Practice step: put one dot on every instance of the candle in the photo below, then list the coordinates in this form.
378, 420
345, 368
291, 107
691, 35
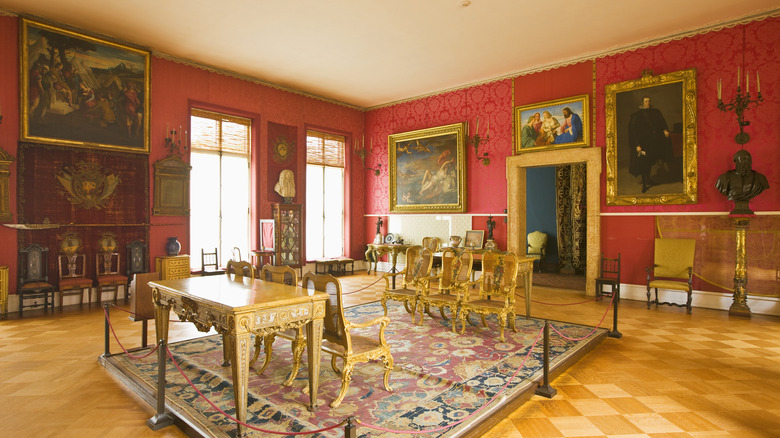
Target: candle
747, 82
719, 89
477, 127
737, 77
758, 83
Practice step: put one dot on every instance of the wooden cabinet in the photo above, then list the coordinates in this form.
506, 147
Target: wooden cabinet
3, 292
287, 235
172, 267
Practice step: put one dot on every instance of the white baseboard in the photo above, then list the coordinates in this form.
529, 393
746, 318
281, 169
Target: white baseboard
707, 300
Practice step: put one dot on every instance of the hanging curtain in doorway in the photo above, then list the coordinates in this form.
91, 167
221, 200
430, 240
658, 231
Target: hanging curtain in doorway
571, 217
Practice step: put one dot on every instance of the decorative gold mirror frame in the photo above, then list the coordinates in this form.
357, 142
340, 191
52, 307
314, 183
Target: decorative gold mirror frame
171, 187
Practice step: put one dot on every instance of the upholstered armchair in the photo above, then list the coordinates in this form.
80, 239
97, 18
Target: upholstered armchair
672, 269
446, 289
537, 247
496, 291
414, 277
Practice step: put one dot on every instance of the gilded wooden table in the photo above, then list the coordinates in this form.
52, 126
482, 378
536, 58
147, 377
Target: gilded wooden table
376, 250
237, 310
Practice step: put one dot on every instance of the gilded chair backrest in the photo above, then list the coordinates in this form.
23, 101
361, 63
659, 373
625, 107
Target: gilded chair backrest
279, 274
236, 254
499, 274
455, 267
418, 264
238, 270
107, 263
335, 320
673, 257
34, 264
432, 243
537, 243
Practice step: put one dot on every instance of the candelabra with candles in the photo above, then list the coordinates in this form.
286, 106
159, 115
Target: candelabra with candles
741, 102
477, 140
360, 151
174, 144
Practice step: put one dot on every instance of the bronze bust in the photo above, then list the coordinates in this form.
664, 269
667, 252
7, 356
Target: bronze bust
742, 183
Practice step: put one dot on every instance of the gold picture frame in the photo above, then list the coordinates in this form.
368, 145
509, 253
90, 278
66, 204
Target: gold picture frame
660, 168
555, 124
171, 187
428, 170
82, 91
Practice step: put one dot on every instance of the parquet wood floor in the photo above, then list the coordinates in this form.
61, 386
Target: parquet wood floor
670, 375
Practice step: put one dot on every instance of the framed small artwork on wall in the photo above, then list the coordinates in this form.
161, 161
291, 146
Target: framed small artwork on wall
561, 123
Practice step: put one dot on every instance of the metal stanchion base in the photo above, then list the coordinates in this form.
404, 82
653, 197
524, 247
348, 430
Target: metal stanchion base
159, 421
546, 391
615, 334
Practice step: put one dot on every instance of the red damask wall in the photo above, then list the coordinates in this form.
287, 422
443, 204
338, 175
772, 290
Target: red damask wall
715, 55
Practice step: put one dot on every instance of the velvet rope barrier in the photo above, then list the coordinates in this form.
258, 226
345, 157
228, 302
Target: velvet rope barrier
362, 288
108, 320
611, 302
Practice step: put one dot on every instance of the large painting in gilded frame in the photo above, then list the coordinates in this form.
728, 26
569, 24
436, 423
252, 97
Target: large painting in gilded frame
428, 170
652, 140
561, 123
81, 91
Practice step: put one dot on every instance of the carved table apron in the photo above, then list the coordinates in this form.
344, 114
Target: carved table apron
237, 310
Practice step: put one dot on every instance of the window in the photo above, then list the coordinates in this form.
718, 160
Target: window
324, 195
219, 184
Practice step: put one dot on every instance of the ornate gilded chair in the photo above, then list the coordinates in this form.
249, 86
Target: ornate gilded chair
34, 277
432, 243
238, 270
496, 291
72, 269
284, 275
446, 289
415, 277
537, 247
672, 269
340, 339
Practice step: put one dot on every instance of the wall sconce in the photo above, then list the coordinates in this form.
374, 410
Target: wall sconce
476, 140
361, 152
741, 102
174, 144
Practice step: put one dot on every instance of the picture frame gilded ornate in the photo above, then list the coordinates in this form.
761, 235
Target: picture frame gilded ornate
555, 124
651, 140
428, 170
82, 91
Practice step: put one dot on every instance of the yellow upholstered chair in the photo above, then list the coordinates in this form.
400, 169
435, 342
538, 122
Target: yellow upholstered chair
537, 247
415, 277
446, 289
284, 275
340, 338
672, 269
496, 291
238, 270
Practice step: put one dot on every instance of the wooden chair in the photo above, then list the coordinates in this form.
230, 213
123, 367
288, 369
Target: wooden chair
340, 339
284, 275
672, 262
239, 270
107, 276
496, 291
236, 254
537, 247
137, 261
609, 275
210, 263
451, 284
73, 279
432, 243
33, 280
415, 277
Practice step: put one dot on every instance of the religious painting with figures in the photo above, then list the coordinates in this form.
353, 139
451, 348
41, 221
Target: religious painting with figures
428, 170
651, 140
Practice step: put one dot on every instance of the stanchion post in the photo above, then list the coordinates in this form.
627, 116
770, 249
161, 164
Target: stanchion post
546, 390
350, 430
161, 418
615, 303
107, 330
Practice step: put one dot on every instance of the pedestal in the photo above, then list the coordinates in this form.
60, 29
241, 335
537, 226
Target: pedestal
739, 307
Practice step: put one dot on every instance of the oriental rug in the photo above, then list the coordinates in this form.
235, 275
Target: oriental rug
439, 378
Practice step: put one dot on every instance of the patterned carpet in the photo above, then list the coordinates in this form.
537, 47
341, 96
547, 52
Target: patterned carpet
439, 378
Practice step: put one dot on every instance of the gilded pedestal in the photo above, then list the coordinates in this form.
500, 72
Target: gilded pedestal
739, 307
